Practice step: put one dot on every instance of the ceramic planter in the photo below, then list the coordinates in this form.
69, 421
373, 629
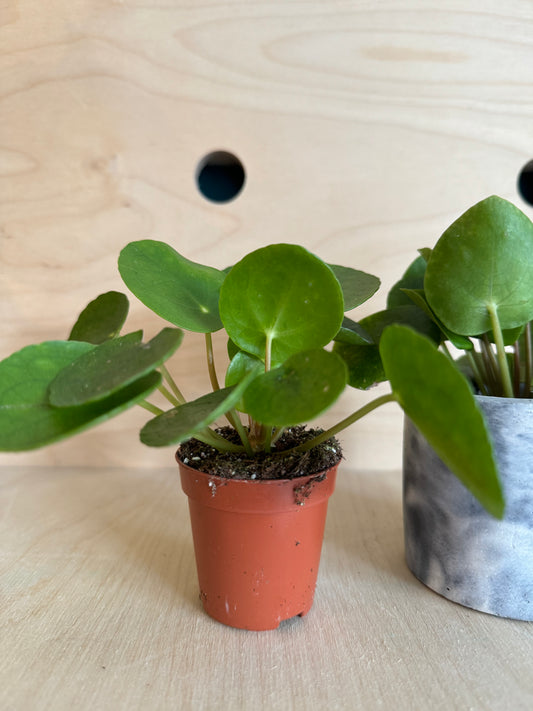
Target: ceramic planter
257, 544
452, 545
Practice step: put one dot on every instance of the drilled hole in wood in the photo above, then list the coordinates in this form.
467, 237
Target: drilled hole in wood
220, 176
525, 182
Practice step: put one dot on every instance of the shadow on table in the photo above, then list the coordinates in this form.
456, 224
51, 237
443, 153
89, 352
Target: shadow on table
365, 524
141, 519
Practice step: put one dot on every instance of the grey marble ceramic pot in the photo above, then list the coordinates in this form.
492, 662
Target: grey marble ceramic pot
452, 545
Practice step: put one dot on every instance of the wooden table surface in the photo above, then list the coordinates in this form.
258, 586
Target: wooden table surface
100, 610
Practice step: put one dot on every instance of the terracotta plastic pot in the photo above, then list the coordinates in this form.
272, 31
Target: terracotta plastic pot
452, 544
257, 544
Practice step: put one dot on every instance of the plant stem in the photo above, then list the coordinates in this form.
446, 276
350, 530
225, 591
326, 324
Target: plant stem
237, 424
151, 408
490, 365
172, 384
478, 377
211, 362
276, 435
446, 350
169, 396
357, 415
268, 352
500, 351
213, 439
516, 369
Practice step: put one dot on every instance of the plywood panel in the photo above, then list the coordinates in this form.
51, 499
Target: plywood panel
364, 129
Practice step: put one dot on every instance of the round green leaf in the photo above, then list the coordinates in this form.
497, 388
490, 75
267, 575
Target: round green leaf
364, 364
28, 421
302, 388
180, 291
439, 400
353, 333
413, 278
365, 368
110, 367
483, 261
418, 297
101, 319
239, 368
282, 296
181, 423
357, 287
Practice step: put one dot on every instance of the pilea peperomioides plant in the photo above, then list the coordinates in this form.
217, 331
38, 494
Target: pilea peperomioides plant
279, 309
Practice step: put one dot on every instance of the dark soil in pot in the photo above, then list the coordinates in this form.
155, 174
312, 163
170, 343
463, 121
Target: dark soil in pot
273, 465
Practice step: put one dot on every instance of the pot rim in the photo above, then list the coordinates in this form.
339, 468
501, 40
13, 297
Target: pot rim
239, 480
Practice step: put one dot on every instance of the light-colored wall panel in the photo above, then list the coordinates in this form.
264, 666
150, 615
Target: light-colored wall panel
364, 128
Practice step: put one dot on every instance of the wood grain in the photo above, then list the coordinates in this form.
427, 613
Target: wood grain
100, 610
364, 130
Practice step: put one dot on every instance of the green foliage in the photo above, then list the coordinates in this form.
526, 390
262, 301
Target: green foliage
29, 421
102, 319
483, 263
280, 300
281, 309
111, 366
306, 385
180, 291
439, 400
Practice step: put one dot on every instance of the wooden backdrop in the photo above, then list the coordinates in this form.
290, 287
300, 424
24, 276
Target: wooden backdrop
364, 127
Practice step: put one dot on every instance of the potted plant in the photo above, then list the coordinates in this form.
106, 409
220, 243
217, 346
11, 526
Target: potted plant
477, 286
258, 487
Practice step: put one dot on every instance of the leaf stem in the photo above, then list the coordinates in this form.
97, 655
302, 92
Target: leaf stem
500, 351
491, 366
169, 396
268, 352
211, 362
357, 415
210, 437
472, 357
151, 408
516, 369
172, 384
237, 424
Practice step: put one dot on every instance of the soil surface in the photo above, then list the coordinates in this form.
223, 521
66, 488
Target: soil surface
262, 465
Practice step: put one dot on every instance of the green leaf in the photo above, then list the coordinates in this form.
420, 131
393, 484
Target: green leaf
413, 278
439, 400
425, 253
302, 388
364, 362
186, 421
357, 287
365, 368
239, 368
418, 297
180, 291
483, 261
283, 296
28, 421
101, 319
111, 366
353, 333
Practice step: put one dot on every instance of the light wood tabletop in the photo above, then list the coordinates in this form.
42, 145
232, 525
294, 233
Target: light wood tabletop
100, 610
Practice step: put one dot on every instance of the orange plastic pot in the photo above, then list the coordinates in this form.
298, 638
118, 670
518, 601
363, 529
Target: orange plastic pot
257, 544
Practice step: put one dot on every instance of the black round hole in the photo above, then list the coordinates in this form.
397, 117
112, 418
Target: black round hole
220, 176
525, 182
